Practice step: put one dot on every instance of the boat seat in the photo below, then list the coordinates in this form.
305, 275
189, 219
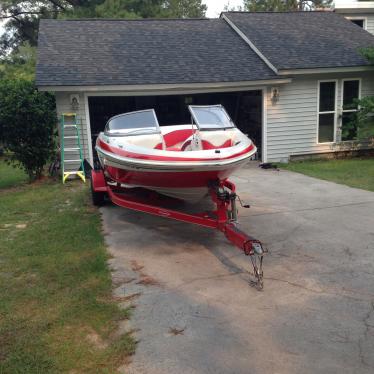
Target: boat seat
148, 141
216, 139
207, 145
159, 146
175, 139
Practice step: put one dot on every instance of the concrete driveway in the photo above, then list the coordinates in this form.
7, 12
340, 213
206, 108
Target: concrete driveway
195, 311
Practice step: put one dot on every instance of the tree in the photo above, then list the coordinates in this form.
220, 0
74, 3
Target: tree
362, 122
151, 9
20, 64
232, 8
23, 16
285, 5
27, 125
184, 9
129, 9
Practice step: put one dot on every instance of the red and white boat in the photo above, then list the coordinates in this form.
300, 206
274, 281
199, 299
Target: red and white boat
179, 161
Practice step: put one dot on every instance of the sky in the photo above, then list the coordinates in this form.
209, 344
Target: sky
215, 7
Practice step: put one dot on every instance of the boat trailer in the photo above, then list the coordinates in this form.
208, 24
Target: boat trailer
224, 218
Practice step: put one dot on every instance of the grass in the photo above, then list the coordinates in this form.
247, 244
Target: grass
57, 313
355, 172
10, 176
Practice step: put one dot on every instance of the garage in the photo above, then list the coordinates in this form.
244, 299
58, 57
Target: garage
160, 65
244, 107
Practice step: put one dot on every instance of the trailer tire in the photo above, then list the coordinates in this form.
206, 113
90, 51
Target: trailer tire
98, 198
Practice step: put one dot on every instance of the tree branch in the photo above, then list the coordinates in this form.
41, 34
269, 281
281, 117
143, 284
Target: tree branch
14, 15
57, 4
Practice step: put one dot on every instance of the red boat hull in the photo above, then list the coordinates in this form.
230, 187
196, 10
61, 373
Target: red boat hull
182, 179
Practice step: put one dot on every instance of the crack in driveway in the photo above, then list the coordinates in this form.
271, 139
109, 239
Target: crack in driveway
365, 336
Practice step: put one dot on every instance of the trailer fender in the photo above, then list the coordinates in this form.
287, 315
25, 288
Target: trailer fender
98, 181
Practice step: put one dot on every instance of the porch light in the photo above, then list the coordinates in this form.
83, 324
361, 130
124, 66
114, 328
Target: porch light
274, 94
74, 102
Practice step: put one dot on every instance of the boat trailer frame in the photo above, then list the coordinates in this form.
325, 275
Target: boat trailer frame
224, 218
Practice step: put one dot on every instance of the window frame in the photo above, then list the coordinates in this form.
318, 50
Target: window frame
327, 112
342, 103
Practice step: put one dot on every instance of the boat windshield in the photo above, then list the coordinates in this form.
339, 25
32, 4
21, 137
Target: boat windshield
133, 123
211, 117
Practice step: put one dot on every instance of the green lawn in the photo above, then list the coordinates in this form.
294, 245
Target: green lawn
10, 176
353, 172
57, 313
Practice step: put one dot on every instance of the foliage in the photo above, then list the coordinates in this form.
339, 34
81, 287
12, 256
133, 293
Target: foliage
368, 53
23, 15
23, 18
57, 314
285, 5
183, 9
150, 9
363, 120
232, 8
27, 125
20, 64
129, 8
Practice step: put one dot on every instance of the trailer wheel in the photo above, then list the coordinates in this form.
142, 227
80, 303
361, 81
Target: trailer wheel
98, 198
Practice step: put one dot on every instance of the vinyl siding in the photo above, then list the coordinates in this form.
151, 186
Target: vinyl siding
370, 23
292, 121
63, 106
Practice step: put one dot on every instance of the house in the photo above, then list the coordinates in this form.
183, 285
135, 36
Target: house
283, 77
359, 12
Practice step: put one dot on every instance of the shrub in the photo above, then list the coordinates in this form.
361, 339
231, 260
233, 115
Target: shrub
365, 118
27, 125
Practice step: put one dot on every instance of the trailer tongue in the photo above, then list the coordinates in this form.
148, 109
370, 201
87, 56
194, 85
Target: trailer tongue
224, 218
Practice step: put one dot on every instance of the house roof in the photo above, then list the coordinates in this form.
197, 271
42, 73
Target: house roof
304, 40
238, 47
134, 52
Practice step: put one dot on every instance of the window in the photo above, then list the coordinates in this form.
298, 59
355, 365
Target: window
351, 92
133, 123
211, 117
358, 22
326, 112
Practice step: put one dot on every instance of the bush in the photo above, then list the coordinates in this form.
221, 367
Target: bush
365, 118
27, 125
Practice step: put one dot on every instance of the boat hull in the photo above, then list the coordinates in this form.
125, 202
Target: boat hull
183, 184
184, 178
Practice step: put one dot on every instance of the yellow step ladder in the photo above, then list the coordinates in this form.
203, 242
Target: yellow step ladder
71, 154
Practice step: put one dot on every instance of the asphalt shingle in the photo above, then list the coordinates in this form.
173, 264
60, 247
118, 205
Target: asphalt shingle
132, 52
304, 40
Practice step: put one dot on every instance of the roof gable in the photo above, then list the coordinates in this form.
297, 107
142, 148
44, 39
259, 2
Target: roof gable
304, 40
131, 52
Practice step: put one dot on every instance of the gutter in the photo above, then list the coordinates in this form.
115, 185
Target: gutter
163, 88
347, 69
